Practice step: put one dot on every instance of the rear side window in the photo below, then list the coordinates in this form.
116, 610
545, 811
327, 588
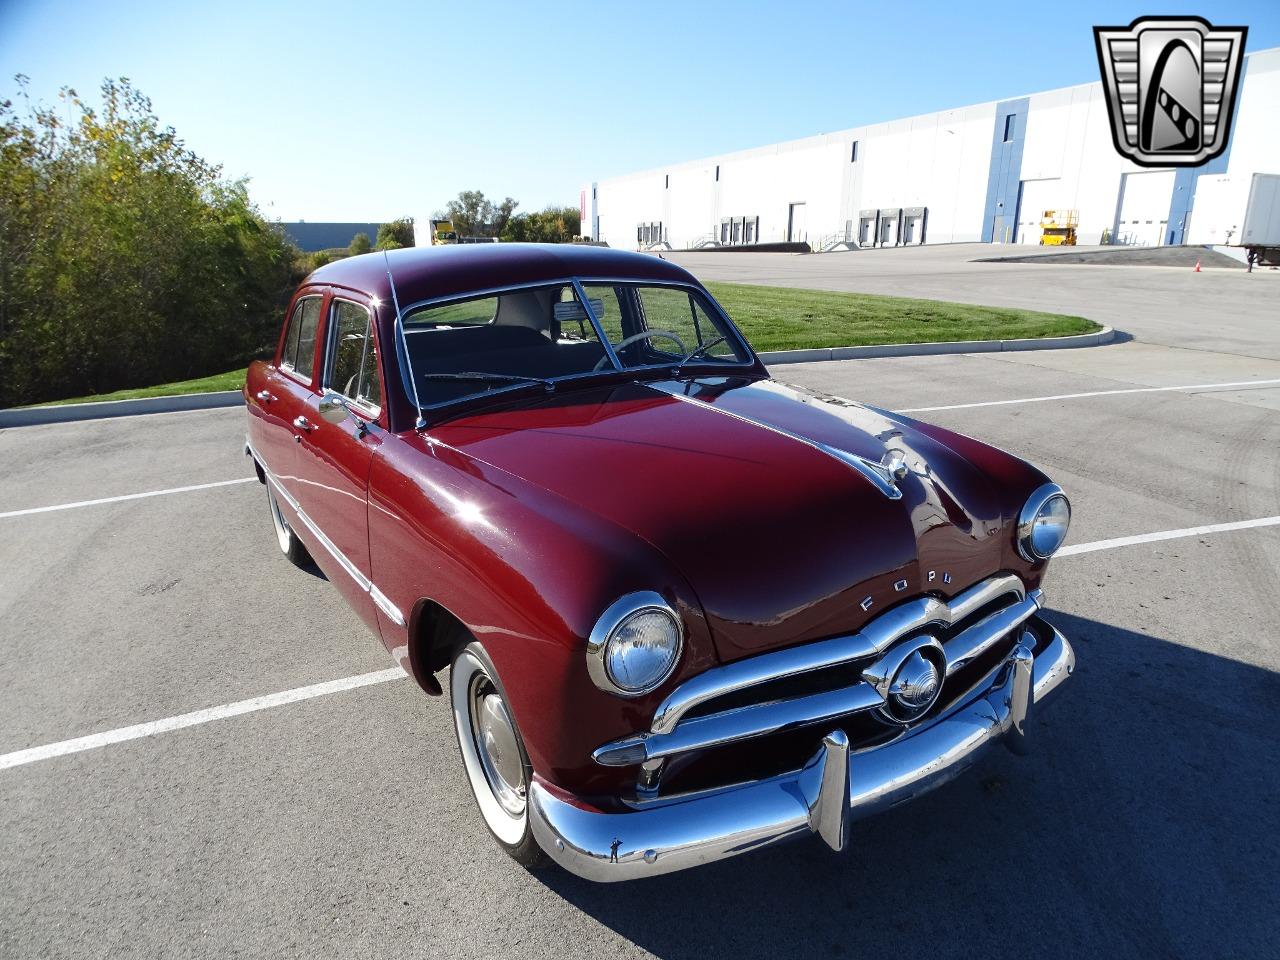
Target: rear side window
300, 342
354, 368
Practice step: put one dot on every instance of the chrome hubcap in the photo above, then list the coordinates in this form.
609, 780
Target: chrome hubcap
496, 746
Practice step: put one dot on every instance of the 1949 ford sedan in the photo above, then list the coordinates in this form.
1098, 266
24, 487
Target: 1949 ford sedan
686, 611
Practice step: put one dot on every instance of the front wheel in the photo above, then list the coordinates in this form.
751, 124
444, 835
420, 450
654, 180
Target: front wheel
493, 754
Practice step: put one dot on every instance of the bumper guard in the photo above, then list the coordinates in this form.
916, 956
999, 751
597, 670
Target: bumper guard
836, 786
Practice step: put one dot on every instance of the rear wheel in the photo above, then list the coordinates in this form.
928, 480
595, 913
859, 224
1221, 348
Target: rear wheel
493, 753
290, 545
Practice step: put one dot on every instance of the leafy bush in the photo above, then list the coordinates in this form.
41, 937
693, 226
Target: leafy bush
394, 235
552, 225
360, 243
125, 259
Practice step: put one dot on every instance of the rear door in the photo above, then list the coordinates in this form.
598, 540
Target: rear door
282, 398
334, 459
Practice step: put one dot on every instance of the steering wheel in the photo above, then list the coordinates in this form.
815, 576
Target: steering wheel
643, 335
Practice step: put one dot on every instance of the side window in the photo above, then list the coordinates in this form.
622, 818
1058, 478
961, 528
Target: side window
300, 342
353, 371
291, 337
305, 360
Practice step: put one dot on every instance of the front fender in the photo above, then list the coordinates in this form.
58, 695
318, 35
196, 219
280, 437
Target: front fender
528, 574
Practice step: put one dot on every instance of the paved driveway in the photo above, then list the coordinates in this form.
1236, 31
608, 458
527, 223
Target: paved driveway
1222, 310
1145, 824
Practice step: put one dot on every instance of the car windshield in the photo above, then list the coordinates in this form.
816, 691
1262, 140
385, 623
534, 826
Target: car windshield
542, 335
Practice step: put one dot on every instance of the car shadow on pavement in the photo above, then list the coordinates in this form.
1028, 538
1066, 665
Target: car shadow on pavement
1143, 824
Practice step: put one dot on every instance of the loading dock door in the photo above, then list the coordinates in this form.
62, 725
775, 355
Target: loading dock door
1144, 211
796, 230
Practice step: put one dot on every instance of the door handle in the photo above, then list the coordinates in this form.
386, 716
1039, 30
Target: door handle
302, 423
264, 396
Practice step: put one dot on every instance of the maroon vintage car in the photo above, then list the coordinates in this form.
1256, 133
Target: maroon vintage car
688, 611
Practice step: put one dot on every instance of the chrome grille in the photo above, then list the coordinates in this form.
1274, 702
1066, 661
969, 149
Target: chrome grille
793, 688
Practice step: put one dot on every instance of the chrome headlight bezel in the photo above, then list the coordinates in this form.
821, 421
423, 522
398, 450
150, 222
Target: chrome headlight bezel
1032, 512
605, 630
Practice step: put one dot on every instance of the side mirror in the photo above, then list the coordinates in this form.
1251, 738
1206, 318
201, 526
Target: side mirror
333, 407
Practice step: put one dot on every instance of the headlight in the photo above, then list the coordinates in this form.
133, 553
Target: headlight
1042, 525
634, 645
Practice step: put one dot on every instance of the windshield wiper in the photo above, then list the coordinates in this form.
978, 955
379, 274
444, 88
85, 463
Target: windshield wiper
699, 350
550, 385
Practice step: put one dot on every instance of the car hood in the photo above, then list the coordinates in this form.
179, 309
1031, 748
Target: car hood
766, 497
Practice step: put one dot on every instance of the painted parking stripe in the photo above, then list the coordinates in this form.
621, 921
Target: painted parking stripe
1096, 545
953, 406
127, 496
197, 717
1093, 393
95, 740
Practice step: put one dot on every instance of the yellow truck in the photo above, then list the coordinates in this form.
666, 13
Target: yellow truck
442, 232
1058, 228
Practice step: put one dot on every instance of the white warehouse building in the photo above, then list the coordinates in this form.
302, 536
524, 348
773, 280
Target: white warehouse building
982, 173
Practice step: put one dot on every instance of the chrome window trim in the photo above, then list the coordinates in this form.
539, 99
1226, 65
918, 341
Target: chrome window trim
364, 583
612, 618
367, 410
694, 289
410, 387
287, 368
1026, 519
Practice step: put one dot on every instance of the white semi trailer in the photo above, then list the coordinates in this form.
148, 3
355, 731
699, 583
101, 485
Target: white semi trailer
1239, 212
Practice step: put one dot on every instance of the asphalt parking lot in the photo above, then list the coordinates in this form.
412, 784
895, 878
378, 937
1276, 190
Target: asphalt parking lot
1144, 824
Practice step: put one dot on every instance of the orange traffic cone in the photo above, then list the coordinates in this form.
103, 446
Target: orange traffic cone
1197, 266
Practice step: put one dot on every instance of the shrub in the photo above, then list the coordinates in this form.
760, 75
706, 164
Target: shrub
125, 259
396, 234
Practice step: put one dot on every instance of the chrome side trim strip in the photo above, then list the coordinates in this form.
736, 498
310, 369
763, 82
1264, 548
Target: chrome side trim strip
873, 638
363, 582
386, 606
876, 473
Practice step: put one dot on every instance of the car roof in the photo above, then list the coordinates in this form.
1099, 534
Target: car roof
426, 273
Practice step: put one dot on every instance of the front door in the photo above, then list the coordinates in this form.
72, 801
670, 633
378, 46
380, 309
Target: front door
334, 459
796, 229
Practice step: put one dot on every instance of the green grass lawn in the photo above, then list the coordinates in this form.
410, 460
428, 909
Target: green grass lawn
232, 380
781, 318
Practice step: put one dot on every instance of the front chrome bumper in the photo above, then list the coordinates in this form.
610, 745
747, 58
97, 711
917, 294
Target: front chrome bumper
836, 786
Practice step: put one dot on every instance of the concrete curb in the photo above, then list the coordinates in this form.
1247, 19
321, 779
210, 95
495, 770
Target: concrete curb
71, 412
1105, 335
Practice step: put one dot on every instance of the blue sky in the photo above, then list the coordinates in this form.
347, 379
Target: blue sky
349, 111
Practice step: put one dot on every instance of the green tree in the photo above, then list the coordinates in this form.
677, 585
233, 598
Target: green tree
473, 215
360, 243
396, 234
552, 225
125, 258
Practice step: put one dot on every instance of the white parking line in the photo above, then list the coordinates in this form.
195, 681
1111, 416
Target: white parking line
1092, 393
1080, 548
95, 740
197, 717
127, 496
